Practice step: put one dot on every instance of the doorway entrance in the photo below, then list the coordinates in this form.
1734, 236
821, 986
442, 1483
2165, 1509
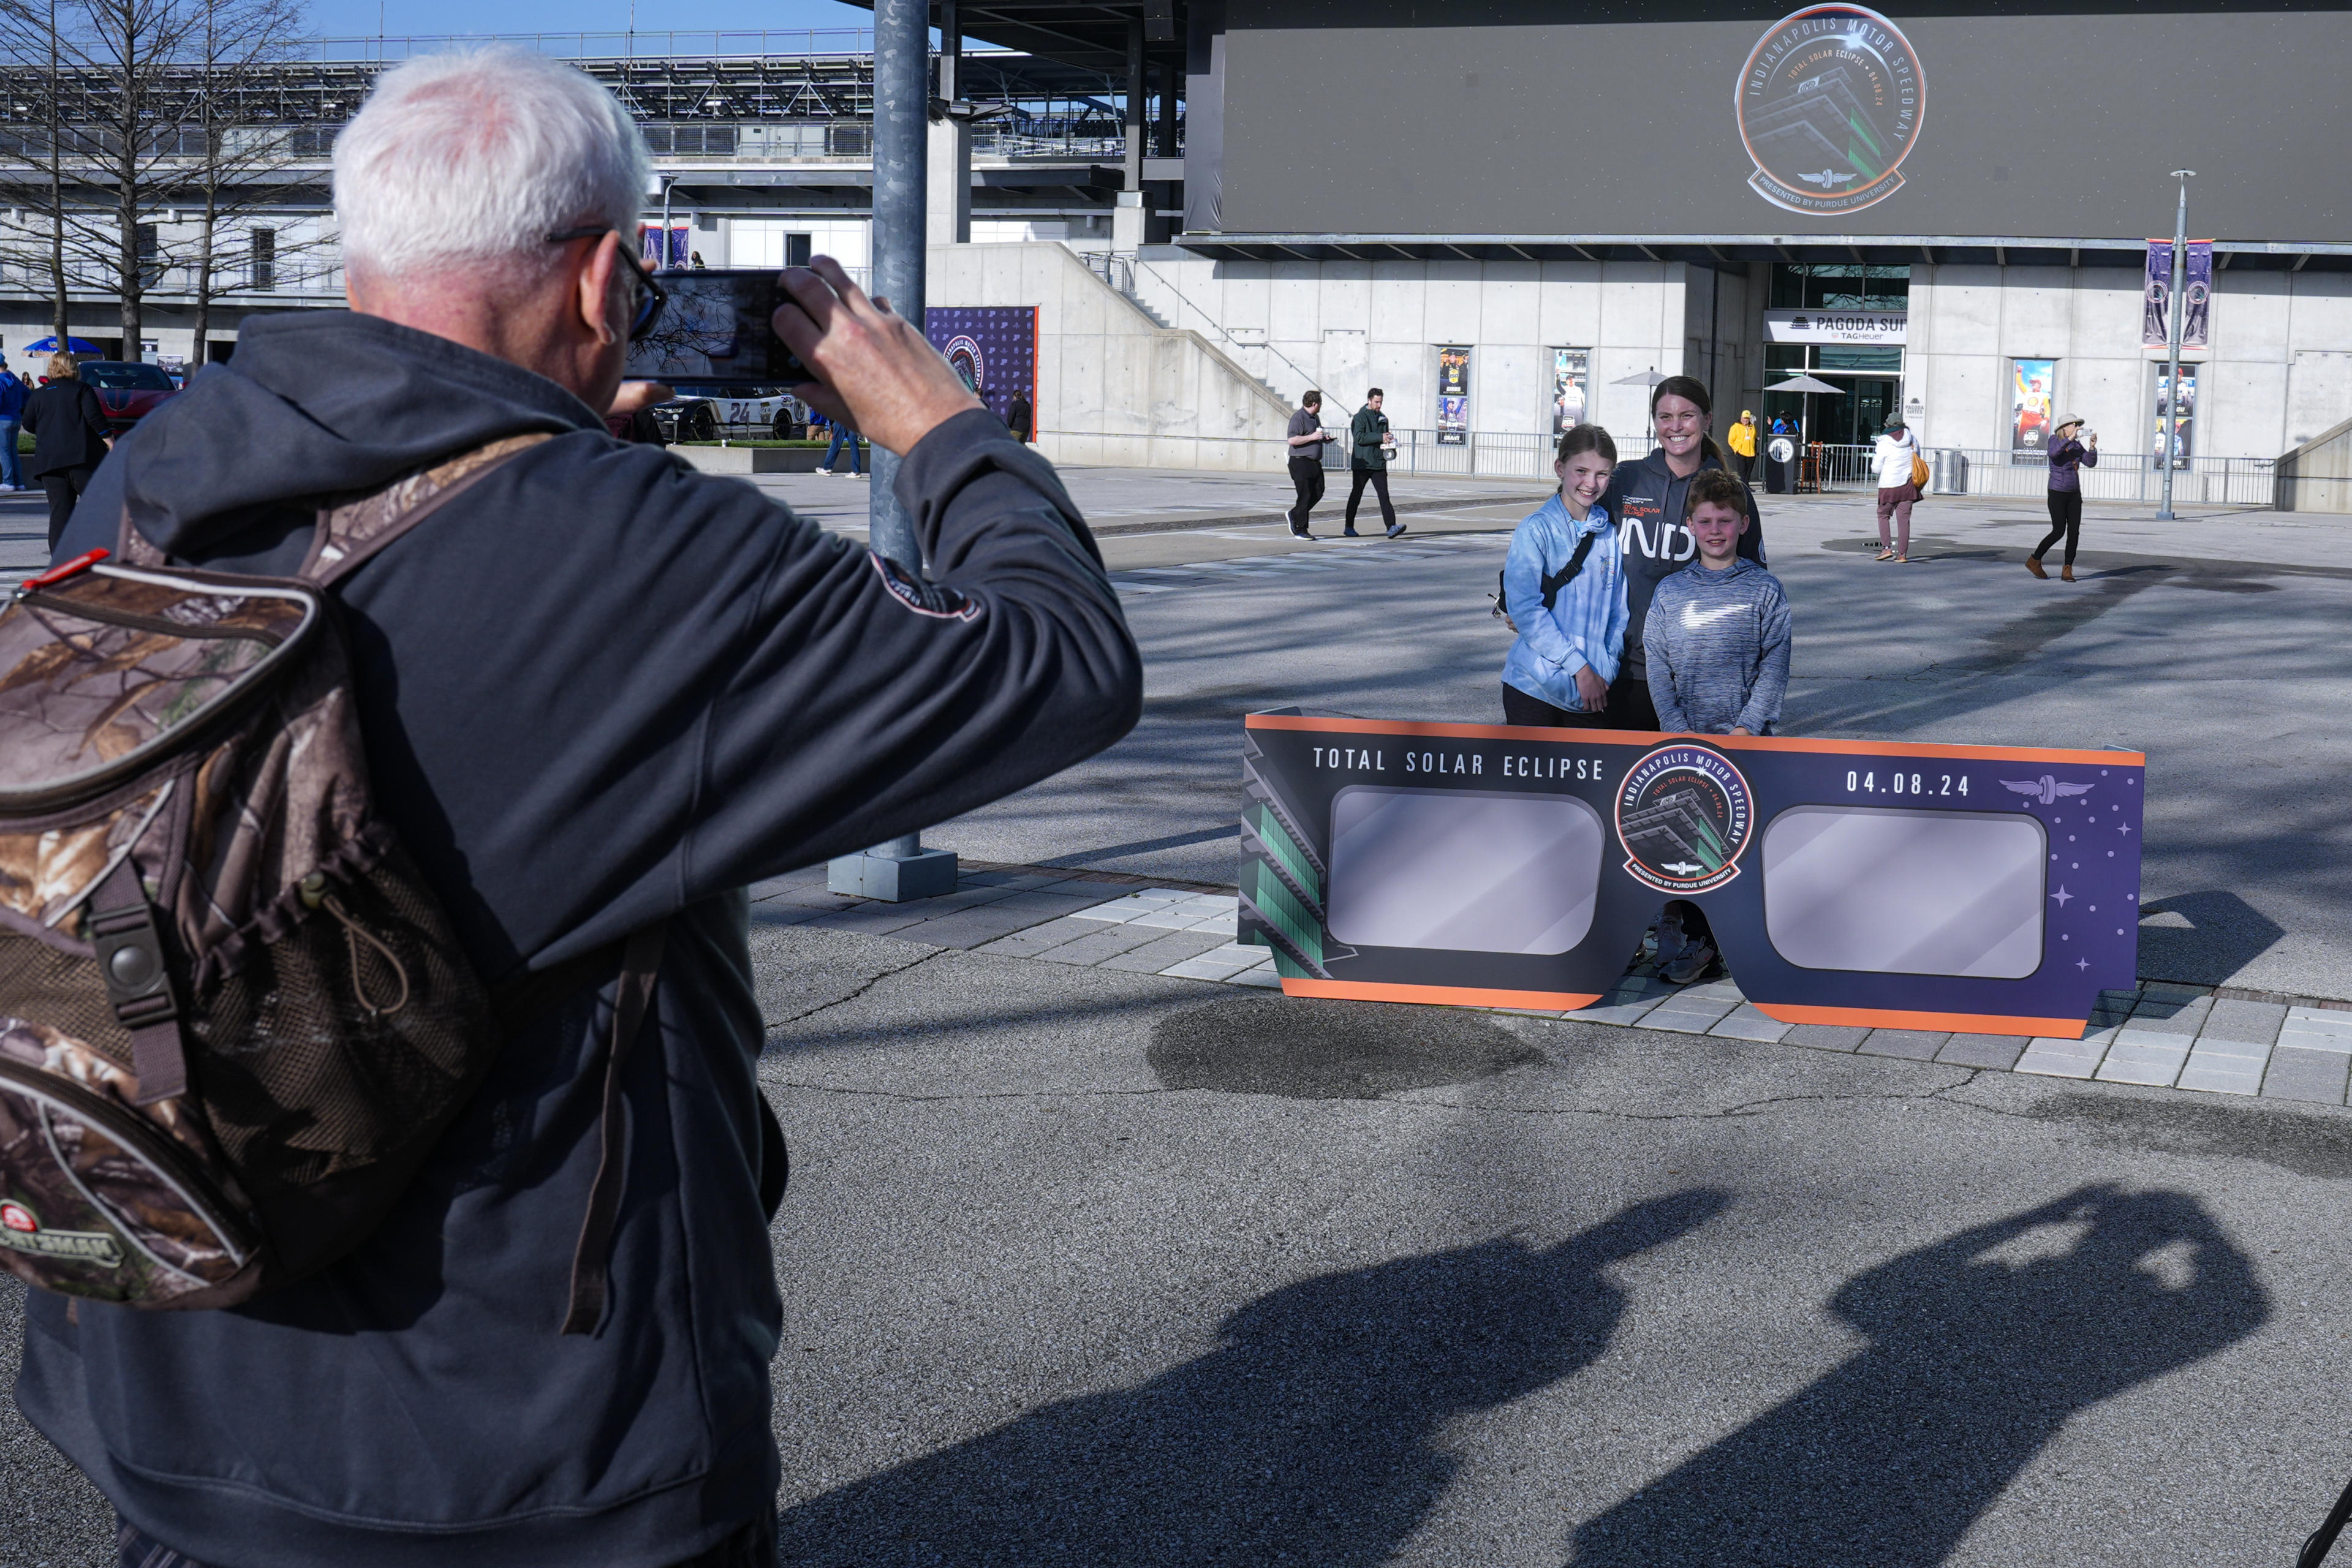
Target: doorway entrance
1855, 419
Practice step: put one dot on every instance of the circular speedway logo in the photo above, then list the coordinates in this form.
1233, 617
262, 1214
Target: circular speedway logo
969, 363
1829, 105
1684, 815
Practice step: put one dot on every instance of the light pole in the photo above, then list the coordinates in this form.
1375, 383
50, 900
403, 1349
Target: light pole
901, 869
2176, 299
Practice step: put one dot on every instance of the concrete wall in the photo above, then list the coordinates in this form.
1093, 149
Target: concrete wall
2316, 477
1347, 325
1114, 386
2277, 371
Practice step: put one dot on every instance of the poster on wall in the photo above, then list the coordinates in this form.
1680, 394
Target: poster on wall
1453, 395
650, 249
994, 347
2175, 421
2155, 312
2196, 294
2033, 383
1984, 889
1571, 371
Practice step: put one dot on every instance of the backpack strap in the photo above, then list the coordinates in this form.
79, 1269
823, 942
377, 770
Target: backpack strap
591, 1258
351, 532
1552, 585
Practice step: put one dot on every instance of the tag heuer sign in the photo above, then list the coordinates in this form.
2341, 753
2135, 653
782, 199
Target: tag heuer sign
1881, 326
1829, 105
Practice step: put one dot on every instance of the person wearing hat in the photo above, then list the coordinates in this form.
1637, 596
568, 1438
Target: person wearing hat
2072, 449
1741, 439
1893, 457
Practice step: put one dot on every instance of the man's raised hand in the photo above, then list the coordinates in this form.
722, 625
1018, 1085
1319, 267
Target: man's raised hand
876, 373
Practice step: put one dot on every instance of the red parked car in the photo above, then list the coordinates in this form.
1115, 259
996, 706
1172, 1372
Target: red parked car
129, 392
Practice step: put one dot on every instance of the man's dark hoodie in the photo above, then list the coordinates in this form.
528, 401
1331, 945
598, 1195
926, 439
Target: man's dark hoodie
1647, 502
599, 690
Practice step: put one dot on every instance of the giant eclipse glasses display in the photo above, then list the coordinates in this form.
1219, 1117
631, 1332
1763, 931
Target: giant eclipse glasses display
1967, 888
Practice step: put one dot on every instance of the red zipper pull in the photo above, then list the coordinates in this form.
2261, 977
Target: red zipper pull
64, 570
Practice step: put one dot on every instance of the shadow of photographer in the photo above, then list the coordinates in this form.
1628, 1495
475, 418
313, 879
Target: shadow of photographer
1304, 1438
1981, 1347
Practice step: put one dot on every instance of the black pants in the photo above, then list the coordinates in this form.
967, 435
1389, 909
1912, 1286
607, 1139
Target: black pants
1378, 478
1533, 712
1747, 466
1307, 473
1629, 706
753, 1546
2065, 520
65, 486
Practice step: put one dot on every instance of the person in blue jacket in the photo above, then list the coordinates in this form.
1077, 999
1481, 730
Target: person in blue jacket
12, 393
1564, 589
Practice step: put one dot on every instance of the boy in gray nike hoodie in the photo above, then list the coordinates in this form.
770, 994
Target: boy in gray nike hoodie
1717, 639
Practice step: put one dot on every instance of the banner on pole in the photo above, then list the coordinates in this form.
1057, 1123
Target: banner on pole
1453, 395
2033, 385
2155, 315
2198, 300
1989, 890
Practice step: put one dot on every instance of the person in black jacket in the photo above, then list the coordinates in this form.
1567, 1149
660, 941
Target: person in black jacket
1648, 499
70, 438
599, 691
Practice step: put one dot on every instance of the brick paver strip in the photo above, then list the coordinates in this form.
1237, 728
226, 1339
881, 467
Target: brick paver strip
1911, 1044
2148, 1058
2297, 1073
1168, 948
1685, 1014
2256, 1023
1039, 939
2225, 1067
1997, 1052
2066, 1058
1744, 1022
972, 927
1105, 942
1826, 1036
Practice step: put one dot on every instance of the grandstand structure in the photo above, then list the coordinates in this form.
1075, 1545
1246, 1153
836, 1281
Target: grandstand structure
762, 142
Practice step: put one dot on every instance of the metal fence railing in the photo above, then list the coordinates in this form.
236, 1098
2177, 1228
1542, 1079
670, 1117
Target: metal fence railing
2025, 475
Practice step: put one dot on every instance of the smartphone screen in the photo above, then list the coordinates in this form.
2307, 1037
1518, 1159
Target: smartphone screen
716, 328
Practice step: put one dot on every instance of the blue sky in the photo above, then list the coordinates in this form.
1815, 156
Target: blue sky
410, 18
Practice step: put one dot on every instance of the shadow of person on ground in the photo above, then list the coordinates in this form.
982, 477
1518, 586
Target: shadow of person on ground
1981, 1346
1305, 1439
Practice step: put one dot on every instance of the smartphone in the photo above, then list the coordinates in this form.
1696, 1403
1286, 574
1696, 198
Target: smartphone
716, 330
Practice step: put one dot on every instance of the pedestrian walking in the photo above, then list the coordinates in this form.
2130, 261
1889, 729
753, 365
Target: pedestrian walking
12, 396
1648, 500
1306, 440
1564, 589
1742, 442
70, 438
2071, 451
1895, 456
1716, 646
1021, 419
842, 436
1371, 445
602, 694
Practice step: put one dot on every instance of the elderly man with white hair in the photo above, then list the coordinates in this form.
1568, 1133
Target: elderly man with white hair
600, 692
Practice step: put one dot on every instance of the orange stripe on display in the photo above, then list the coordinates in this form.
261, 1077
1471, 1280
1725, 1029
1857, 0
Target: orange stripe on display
1449, 996
1949, 1023
1646, 739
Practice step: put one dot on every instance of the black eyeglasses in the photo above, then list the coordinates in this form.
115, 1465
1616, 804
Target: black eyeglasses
651, 296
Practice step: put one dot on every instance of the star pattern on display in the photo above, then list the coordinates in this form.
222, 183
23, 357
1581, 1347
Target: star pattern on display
2062, 895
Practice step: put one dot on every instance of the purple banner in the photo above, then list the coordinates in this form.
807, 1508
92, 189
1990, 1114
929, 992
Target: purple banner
2155, 315
994, 349
2199, 299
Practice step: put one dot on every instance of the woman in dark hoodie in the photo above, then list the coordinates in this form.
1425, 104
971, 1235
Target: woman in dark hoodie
1648, 500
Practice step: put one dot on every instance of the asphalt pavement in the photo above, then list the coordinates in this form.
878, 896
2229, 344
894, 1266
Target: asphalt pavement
1085, 1265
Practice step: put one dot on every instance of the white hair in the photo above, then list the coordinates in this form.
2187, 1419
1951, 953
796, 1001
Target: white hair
468, 162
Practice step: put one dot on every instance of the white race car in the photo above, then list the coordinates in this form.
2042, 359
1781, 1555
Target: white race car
707, 412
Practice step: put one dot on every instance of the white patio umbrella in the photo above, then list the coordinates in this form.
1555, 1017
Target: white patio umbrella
1648, 378
1809, 385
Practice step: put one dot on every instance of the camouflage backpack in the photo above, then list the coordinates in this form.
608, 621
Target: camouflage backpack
234, 1018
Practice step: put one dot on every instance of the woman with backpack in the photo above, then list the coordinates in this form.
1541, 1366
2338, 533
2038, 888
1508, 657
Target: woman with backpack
1563, 590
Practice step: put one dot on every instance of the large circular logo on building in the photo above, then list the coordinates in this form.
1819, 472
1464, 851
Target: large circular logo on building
1684, 815
1829, 106
963, 353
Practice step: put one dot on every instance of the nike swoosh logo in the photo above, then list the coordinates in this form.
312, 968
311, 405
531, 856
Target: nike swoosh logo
1693, 616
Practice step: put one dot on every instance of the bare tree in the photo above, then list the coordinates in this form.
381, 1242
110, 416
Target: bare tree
33, 150
239, 154
140, 49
